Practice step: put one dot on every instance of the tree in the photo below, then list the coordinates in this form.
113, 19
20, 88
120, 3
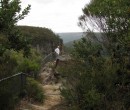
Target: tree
96, 81
112, 18
108, 16
10, 14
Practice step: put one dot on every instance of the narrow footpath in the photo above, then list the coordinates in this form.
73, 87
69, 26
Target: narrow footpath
51, 85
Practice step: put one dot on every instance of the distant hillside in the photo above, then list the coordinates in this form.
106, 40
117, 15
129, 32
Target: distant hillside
44, 39
71, 36
69, 44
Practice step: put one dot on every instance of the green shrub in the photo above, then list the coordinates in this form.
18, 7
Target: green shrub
95, 81
8, 65
13, 62
34, 90
79, 91
30, 65
90, 88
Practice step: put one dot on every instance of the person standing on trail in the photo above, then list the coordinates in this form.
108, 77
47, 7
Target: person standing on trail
57, 53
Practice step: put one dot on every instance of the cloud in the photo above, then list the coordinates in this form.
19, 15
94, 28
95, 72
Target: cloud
58, 15
44, 1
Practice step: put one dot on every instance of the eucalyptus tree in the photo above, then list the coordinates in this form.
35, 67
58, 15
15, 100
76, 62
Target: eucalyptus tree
10, 38
10, 13
104, 82
111, 17
97, 81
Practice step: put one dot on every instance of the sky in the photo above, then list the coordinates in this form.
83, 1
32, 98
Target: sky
57, 15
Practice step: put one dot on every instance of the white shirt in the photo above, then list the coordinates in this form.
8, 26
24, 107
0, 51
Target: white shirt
57, 50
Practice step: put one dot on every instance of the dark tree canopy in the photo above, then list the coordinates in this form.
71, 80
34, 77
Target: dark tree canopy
108, 16
10, 14
44, 38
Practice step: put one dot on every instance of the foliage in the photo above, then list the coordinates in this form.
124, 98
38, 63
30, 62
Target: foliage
79, 91
10, 14
16, 62
10, 38
97, 81
16, 53
6, 61
34, 90
9, 94
110, 17
93, 81
68, 49
13, 62
84, 48
44, 39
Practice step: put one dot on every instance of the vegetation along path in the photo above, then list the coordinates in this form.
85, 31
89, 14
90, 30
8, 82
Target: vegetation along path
51, 84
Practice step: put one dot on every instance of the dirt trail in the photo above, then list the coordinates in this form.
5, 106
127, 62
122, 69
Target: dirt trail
51, 86
53, 98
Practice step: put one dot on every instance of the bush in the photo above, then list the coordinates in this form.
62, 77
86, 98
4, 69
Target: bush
78, 91
8, 65
90, 88
95, 81
34, 90
30, 65
13, 62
